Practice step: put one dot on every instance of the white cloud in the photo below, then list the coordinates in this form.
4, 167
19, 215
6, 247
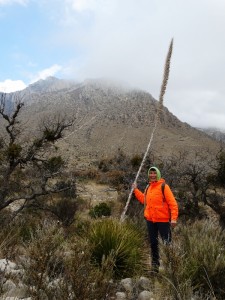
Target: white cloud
128, 40
9, 86
9, 2
83, 5
43, 74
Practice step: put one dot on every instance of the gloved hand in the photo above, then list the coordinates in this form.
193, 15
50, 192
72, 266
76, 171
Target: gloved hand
173, 223
134, 185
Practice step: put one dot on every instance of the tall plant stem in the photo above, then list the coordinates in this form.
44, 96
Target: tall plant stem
159, 110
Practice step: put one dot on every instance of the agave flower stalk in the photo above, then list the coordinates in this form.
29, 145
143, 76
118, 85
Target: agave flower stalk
159, 109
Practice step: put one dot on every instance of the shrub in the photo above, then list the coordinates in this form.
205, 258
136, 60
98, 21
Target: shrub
197, 260
13, 151
65, 210
100, 210
117, 247
43, 261
136, 160
54, 164
81, 279
221, 168
115, 177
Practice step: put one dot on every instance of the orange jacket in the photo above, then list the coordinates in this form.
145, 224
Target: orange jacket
158, 209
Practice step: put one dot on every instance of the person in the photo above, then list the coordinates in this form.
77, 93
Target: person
160, 212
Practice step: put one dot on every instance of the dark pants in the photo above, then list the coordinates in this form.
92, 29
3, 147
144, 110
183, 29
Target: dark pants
154, 229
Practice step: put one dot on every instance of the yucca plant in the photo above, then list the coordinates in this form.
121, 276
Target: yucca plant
117, 247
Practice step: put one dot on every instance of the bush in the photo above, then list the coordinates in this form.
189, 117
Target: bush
54, 164
13, 151
65, 210
197, 260
116, 246
100, 210
115, 177
136, 160
43, 259
221, 168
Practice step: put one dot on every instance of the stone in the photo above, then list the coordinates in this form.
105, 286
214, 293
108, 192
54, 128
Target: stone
121, 296
144, 283
145, 295
127, 284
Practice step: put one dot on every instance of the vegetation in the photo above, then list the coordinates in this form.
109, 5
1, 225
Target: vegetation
100, 210
117, 247
63, 255
29, 171
195, 262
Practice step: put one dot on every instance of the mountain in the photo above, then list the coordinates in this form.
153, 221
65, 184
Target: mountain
215, 133
108, 117
51, 84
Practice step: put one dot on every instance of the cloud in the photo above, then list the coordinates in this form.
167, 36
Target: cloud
81, 5
128, 40
88, 5
9, 86
43, 74
9, 2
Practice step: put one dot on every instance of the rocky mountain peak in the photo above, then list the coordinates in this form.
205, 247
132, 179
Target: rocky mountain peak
108, 117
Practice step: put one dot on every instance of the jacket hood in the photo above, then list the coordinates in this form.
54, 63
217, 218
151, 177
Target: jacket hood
157, 172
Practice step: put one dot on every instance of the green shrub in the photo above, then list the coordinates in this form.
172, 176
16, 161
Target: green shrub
100, 210
54, 164
221, 168
136, 160
117, 247
13, 151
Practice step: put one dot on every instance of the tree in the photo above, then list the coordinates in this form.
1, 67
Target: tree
220, 168
30, 169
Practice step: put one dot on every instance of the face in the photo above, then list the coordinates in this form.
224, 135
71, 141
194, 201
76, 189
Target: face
152, 176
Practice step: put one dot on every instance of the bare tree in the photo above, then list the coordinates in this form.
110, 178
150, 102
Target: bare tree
30, 169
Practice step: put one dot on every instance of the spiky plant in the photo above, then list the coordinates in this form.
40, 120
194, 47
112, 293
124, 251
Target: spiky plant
117, 246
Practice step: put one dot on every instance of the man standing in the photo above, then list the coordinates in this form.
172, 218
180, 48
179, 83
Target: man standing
160, 212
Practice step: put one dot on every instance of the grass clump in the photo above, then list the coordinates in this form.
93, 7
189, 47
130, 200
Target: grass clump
43, 260
117, 247
196, 261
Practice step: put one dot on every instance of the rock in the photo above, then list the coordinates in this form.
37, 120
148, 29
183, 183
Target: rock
8, 285
121, 296
127, 284
16, 293
7, 266
145, 295
144, 283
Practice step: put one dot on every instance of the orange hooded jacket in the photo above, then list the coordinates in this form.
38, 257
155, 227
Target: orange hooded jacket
157, 208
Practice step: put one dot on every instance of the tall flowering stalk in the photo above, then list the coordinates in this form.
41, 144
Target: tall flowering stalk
159, 109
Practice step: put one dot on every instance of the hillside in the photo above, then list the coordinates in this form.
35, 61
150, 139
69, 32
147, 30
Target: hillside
108, 117
216, 133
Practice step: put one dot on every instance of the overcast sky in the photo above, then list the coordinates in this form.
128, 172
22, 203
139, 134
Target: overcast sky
126, 40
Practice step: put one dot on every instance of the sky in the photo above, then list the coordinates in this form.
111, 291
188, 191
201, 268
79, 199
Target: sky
123, 40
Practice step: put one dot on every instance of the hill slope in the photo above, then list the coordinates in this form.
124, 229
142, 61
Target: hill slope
107, 118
